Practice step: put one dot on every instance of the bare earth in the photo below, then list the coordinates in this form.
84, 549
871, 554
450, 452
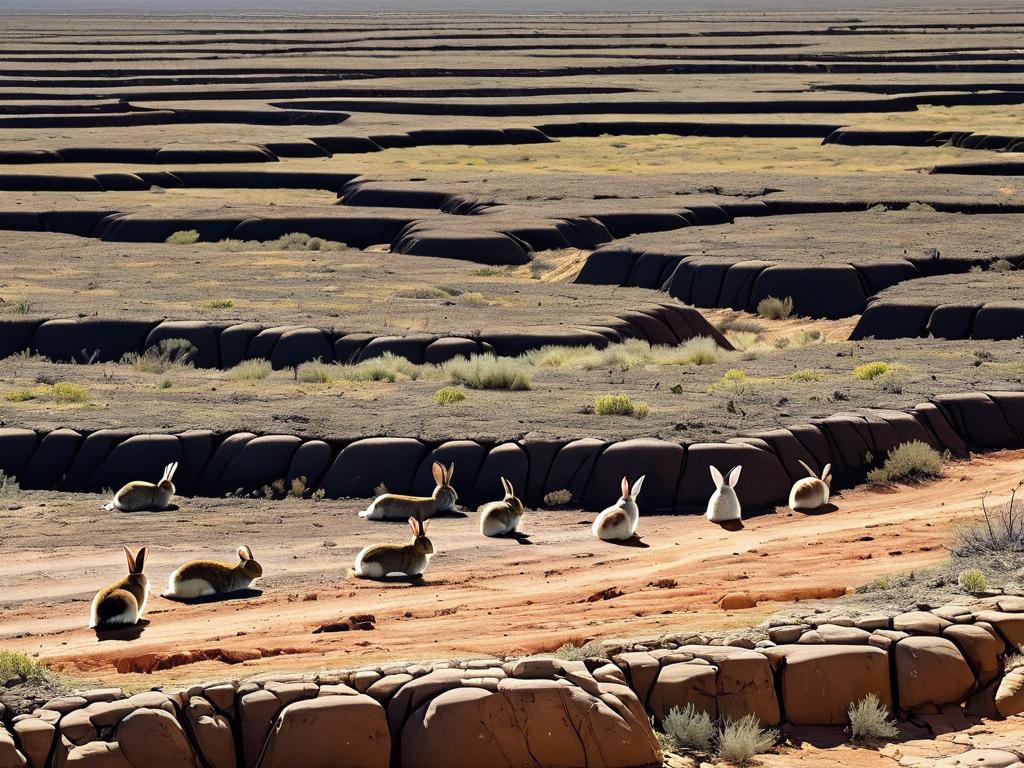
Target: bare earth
57, 550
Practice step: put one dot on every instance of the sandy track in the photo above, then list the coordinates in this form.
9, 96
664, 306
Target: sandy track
480, 595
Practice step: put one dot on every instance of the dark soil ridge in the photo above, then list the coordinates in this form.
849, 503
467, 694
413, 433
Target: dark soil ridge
225, 344
989, 321
678, 478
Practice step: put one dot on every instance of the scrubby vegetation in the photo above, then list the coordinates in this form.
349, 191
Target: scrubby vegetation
869, 719
632, 353
972, 580
870, 371
428, 292
449, 395
63, 392
388, 367
250, 370
742, 740
184, 237
620, 405
558, 498
220, 304
689, 728
1001, 530
807, 375
158, 358
16, 665
293, 241
315, 373
488, 372
771, 308
908, 463
572, 652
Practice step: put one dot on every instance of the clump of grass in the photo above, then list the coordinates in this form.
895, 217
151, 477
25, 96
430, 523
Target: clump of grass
220, 304
165, 384
61, 392
488, 372
388, 367
1001, 265
184, 237
428, 292
869, 719
19, 395
743, 340
807, 375
492, 272
894, 378
1000, 531
558, 498
449, 395
742, 740
14, 664
908, 463
632, 353
161, 356
294, 241
474, 299
572, 652
689, 728
250, 370
21, 306
803, 338
315, 373
8, 485
870, 371
972, 580
620, 405
739, 324
733, 381
771, 308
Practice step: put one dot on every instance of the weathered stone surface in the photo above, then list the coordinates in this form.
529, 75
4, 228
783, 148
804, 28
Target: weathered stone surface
97, 754
531, 722
682, 684
930, 671
982, 648
818, 683
212, 731
1010, 693
786, 634
1009, 625
10, 757
152, 738
744, 683
346, 731
982, 758
919, 622
640, 669
35, 736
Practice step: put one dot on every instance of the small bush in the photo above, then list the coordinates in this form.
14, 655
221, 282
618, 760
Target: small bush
14, 664
61, 392
20, 306
689, 728
388, 367
558, 498
972, 580
315, 373
807, 375
620, 405
250, 370
1001, 530
449, 395
161, 356
474, 299
165, 384
803, 338
488, 372
8, 485
220, 304
743, 340
772, 308
869, 719
743, 739
739, 324
19, 395
573, 652
908, 463
1001, 265
870, 371
184, 237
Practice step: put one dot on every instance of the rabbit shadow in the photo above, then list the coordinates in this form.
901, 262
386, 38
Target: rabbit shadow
517, 536
238, 594
131, 632
148, 511
412, 581
730, 525
822, 510
633, 541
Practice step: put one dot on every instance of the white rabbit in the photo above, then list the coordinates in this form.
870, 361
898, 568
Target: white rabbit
724, 506
619, 522
811, 492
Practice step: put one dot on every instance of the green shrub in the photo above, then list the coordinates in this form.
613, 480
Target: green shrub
315, 373
870, 371
388, 367
61, 392
489, 372
908, 463
743, 340
869, 719
250, 370
771, 308
803, 338
184, 237
474, 299
161, 356
20, 306
740, 740
807, 375
449, 395
620, 405
220, 304
972, 580
689, 728
14, 664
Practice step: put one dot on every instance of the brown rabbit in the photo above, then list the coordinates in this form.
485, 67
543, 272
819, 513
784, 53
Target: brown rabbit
498, 518
123, 602
379, 561
200, 578
393, 506
138, 494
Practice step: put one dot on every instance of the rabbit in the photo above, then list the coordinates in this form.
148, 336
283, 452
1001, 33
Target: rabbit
393, 506
619, 522
379, 561
200, 578
498, 518
724, 506
123, 602
138, 494
811, 492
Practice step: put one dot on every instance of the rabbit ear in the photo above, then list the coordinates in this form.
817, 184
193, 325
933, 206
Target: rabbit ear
423, 528
637, 486
807, 469
448, 475
140, 560
826, 471
414, 524
508, 487
734, 476
131, 560
244, 553
438, 472
827, 479
625, 487
717, 477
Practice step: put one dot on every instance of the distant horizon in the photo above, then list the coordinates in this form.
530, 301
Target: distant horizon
214, 7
